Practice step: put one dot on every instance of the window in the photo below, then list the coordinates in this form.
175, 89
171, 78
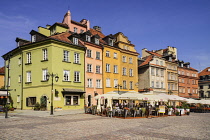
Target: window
131, 84
130, 60
19, 78
169, 86
125, 47
153, 85
9, 81
182, 80
124, 84
107, 67
33, 38
107, 82
98, 55
179, 72
75, 40
98, 83
111, 42
89, 67
161, 84
98, 69
124, 71
81, 31
76, 58
130, 72
75, 30
19, 61
28, 55
89, 53
28, 76
157, 72
124, 58
44, 51
66, 56
157, 62
182, 72
188, 90
30, 101
18, 98
162, 72
107, 54
115, 82
115, 55
157, 84
97, 41
18, 44
115, 69
153, 71
66, 74
90, 84
87, 38
44, 74
161, 63
76, 76
71, 100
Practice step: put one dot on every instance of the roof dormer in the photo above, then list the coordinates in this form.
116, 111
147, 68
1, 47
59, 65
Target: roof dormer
109, 40
36, 36
21, 41
74, 38
86, 36
95, 39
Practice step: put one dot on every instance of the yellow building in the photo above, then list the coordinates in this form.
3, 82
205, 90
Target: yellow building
119, 64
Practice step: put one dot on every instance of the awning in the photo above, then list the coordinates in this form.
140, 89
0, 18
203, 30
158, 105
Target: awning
72, 90
4, 93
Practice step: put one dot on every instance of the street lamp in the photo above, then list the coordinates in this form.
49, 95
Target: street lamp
56, 79
118, 86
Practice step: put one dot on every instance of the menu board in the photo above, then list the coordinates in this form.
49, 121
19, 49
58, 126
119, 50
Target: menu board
161, 109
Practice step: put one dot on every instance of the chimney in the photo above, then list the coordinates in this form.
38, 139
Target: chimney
97, 28
67, 19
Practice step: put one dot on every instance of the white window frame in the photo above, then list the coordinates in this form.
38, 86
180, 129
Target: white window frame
97, 41
115, 82
108, 68
65, 56
89, 68
72, 100
115, 68
33, 38
89, 82
131, 84
76, 76
18, 98
75, 41
76, 58
44, 51
124, 59
98, 55
115, 55
130, 72
98, 83
19, 78
44, 74
75, 29
66, 75
28, 55
124, 84
107, 54
131, 60
111, 42
87, 38
108, 82
124, 71
28, 76
98, 69
89, 53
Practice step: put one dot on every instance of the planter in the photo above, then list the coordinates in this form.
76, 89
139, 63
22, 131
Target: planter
182, 111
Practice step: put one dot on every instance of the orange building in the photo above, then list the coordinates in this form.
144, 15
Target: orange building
188, 80
2, 77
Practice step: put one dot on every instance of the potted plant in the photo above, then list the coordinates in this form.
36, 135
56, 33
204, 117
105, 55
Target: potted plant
37, 106
43, 106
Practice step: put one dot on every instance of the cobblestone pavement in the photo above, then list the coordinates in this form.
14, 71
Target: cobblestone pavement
91, 127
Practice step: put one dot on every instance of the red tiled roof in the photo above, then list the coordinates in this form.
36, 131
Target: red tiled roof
164, 50
147, 60
154, 53
78, 23
2, 70
204, 72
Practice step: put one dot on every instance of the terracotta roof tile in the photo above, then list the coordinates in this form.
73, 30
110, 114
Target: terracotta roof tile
147, 60
154, 53
2, 70
204, 72
101, 35
62, 36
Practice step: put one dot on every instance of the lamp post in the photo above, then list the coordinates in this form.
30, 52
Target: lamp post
8, 66
56, 79
118, 86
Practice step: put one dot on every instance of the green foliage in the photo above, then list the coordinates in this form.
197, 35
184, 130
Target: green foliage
37, 106
43, 103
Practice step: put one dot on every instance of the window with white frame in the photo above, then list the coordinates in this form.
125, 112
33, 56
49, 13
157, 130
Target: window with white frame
81, 31
18, 44
98, 69
66, 74
115, 55
161, 84
89, 67
108, 82
28, 76
97, 41
30, 101
131, 84
130, 60
76, 76
89, 53
18, 98
28, 55
75, 40
76, 58
66, 56
72, 99
157, 62
182, 80
19, 78
89, 83
115, 69
152, 83
157, 84
111, 42
130, 72
107, 54
157, 72
125, 47
33, 38
124, 71
44, 52
124, 59
162, 72
152, 71
87, 38
98, 83
188, 90
161, 63
44, 74
169, 86
115, 82
75, 30
107, 67
98, 55
182, 72
124, 84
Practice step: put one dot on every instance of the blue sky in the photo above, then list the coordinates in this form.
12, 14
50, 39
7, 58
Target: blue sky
151, 24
